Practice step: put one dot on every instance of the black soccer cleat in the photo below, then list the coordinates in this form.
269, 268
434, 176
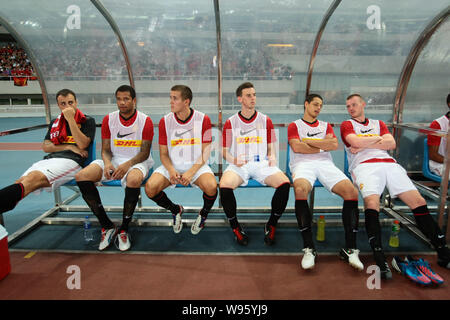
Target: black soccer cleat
240, 236
269, 234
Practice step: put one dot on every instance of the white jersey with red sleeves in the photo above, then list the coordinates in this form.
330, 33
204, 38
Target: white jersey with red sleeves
126, 141
307, 132
361, 130
184, 140
249, 140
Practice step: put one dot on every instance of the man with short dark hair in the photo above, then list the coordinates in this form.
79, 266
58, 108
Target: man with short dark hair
437, 146
184, 148
372, 169
66, 142
248, 147
127, 136
311, 141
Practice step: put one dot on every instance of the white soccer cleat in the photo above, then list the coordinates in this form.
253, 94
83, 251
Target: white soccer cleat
177, 222
308, 258
124, 241
107, 237
352, 257
198, 224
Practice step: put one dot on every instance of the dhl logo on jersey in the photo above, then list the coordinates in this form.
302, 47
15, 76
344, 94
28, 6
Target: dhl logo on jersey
368, 135
127, 143
248, 140
316, 139
184, 142
69, 139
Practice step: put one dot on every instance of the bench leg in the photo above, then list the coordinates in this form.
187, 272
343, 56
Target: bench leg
311, 201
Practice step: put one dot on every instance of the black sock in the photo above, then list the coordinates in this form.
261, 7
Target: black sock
129, 204
279, 202
10, 196
92, 197
350, 219
304, 220
429, 227
229, 206
373, 228
162, 200
208, 202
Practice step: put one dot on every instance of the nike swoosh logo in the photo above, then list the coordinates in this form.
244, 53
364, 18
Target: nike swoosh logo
123, 135
243, 133
365, 131
313, 134
182, 133
440, 236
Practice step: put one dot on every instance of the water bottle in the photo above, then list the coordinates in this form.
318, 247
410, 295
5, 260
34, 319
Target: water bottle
88, 236
393, 240
321, 229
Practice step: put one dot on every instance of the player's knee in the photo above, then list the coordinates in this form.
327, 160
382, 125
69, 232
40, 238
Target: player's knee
372, 203
81, 176
150, 189
211, 187
350, 193
301, 192
134, 182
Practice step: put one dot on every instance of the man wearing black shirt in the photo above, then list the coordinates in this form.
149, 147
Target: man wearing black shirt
66, 142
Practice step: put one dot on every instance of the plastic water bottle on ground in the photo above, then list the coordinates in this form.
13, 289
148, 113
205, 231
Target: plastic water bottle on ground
87, 226
321, 229
393, 240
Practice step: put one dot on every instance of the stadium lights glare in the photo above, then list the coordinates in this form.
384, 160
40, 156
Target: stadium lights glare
282, 45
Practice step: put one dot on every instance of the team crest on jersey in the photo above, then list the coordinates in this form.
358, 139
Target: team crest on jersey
248, 140
127, 143
361, 186
184, 142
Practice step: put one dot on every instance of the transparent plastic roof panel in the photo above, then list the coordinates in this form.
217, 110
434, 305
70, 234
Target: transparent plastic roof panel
74, 46
170, 42
363, 49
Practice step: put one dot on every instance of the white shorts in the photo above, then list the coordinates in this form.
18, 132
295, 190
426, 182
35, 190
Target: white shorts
372, 178
144, 167
258, 170
436, 167
57, 170
325, 171
203, 169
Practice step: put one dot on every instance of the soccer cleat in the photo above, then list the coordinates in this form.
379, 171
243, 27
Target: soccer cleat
352, 257
410, 271
177, 222
380, 260
107, 237
198, 224
425, 268
308, 258
269, 234
124, 241
240, 236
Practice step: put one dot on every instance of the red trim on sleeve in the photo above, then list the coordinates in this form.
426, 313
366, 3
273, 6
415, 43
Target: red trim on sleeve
434, 140
106, 133
330, 130
226, 134
293, 131
383, 128
162, 132
346, 129
206, 130
271, 136
147, 132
